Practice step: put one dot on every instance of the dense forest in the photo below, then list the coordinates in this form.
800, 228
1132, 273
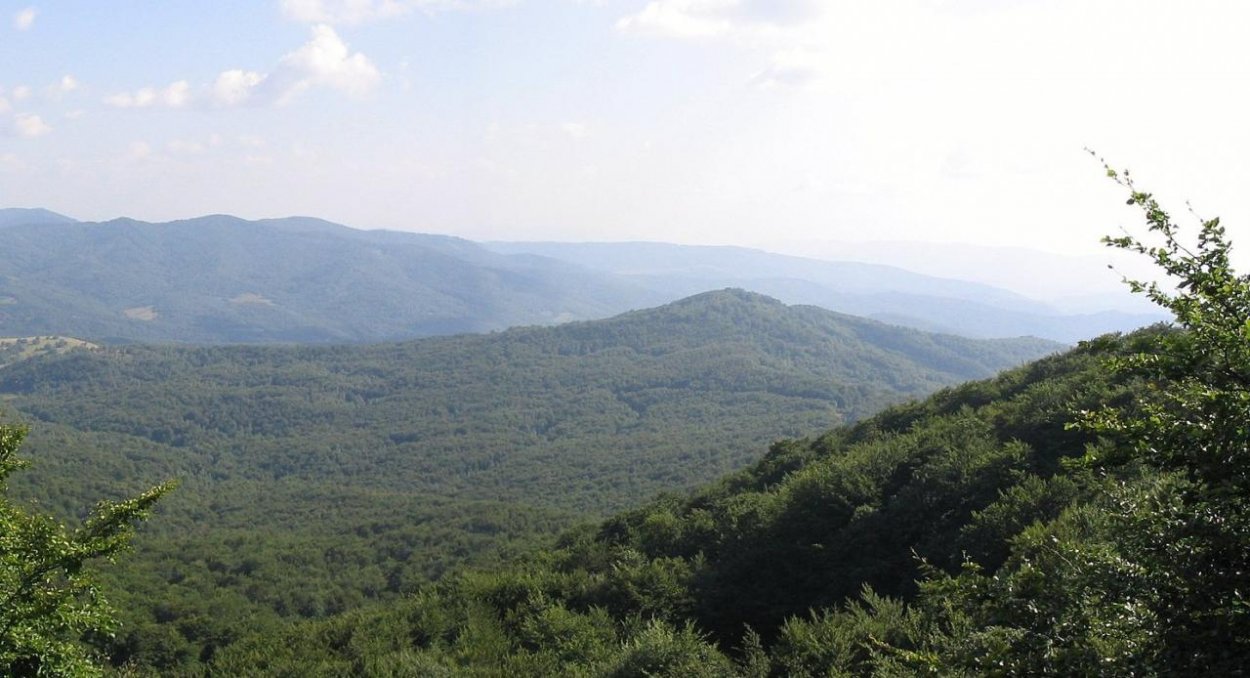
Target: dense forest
315, 480
1085, 514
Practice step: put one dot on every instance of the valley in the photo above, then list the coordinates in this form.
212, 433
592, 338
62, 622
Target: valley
315, 479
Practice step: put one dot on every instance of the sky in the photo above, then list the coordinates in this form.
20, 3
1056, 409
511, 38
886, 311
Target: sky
744, 122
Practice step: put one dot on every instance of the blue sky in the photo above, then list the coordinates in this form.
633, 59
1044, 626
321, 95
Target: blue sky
774, 124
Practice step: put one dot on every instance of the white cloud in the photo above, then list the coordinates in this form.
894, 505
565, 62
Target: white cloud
141, 98
577, 130
363, 11
681, 18
5, 106
789, 67
792, 33
234, 87
23, 19
66, 85
342, 11
324, 60
21, 93
741, 19
175, 95
29, 125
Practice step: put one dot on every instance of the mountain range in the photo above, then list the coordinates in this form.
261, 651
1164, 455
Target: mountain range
882, 292
476, 413
220, 279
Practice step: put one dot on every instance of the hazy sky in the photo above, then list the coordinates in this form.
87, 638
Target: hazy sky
718, 121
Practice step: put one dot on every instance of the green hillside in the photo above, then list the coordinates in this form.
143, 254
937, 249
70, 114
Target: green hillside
977, 533
722, 582
14, 349
317, 479
1086, 514
510, 415
220, 279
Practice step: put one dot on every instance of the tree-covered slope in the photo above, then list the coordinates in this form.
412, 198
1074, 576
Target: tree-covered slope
1087, 514
805, 528
678, 394
316, 479
220, 279
975, 533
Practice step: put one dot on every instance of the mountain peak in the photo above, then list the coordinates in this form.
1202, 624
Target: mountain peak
25, 216
730, 295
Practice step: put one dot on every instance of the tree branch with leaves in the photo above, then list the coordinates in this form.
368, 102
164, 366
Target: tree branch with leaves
50, 606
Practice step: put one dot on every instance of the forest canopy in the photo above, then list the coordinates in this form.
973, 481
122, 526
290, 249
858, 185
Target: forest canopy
1085, 514
1082, 515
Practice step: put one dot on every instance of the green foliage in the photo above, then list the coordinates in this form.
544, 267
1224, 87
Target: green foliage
589, 416
1193, 421
50, 608
977, 533
13, 349
727, 578
660, 650
1147, 576
845, 642
319, 480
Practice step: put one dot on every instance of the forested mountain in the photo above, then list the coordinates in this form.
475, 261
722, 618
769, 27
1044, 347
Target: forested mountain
219, 279
992, 530
877, 291
19, 216
975, 533
1086, 514
462, 411
747, 575
375, 468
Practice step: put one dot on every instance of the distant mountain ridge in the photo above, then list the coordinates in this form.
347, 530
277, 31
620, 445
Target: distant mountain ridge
22, 216
221, 279
878, 291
